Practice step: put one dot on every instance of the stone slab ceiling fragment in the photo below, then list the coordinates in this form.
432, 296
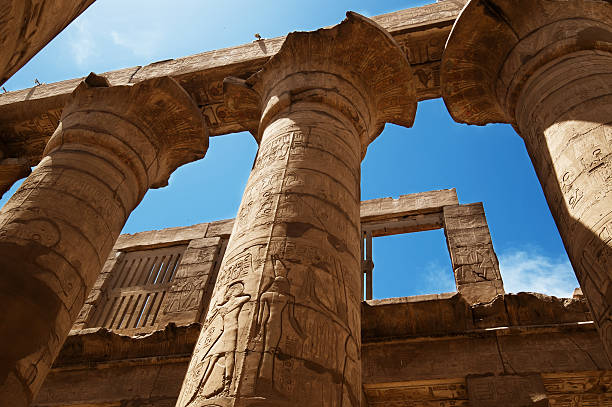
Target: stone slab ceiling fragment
56, 231
283, 326
26, 26
545, 66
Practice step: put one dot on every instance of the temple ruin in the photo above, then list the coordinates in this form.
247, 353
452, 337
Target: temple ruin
274, 307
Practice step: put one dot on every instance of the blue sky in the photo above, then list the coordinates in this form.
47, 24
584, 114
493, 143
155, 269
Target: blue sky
485, 164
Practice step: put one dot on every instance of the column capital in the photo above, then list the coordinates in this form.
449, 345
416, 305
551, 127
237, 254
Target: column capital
355, 67
113, 143
171, 130
497, 45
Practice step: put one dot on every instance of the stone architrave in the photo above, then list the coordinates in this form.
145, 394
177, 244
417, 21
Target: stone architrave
283, 327
27, 26
507, 391
545, 66
56, 231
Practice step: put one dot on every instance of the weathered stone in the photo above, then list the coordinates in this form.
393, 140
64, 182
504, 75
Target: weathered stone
474, 261
195, 276
56, 231
28, 117
546, 67
506, 390
405, 362
11, 170
27, 26
283, 325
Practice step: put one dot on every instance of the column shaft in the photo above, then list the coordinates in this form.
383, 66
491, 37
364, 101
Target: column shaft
283, 327
564, 114
58, 228
12, 170
284, 323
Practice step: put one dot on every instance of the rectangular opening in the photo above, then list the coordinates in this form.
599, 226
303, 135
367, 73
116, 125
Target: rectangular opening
407, 264
137, 287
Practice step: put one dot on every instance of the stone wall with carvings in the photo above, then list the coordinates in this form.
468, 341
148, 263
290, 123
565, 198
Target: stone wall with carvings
431, 350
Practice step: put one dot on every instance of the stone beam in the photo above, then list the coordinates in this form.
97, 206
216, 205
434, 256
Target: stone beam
387, 209
406, 214
27, 26
28, 117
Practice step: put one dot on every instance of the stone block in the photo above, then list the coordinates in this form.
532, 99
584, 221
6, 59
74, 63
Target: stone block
507, 391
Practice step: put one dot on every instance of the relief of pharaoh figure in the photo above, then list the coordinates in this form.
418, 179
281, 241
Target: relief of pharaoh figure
225, 344
275, 304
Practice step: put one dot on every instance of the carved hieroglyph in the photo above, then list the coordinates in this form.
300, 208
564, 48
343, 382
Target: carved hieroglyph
27, 26
283, 327
474, 261
545, 66
112, 145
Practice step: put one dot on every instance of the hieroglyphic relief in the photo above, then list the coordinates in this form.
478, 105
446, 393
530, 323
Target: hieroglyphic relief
44, 220
424, 53
299, 286
474, 264
581, 173
276, 308
439, 393
299, 222
223, 344
506, 390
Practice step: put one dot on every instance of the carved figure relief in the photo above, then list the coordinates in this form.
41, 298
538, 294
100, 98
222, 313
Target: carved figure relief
216, 367
276, 308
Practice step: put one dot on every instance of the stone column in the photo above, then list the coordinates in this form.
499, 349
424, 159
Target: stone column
12, 170
545, 66
56, 231
283, 327
27, 26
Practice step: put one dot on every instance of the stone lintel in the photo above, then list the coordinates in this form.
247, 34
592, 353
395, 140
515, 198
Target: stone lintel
411, 204
506, 390
372, 211
160, 238
28, 117
450, 314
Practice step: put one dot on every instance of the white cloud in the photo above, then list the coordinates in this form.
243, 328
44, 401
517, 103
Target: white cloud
439, 278
142, 43
530, 271
82, 43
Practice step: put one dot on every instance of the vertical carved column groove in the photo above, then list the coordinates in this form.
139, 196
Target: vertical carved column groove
546, 67
283, 327
111, 146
